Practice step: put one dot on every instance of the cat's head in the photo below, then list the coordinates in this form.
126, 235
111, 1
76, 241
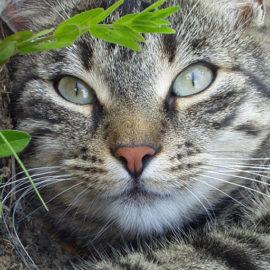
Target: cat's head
152, 139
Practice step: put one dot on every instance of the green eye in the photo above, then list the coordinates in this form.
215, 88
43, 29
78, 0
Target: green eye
193, 80
76, 91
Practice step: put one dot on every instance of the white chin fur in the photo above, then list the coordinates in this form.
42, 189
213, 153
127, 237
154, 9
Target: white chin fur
153, 217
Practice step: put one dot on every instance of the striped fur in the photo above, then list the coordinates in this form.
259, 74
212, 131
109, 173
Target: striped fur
209, 207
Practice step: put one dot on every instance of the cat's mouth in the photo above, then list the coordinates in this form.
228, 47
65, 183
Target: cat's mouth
139, 193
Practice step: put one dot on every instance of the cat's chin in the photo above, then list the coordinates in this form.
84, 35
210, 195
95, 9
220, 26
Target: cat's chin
143, 213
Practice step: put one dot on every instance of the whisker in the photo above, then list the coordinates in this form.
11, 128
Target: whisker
241, 177
33, 169
235, 184
21, 181
238, 176
198, 199
228, 158
71, 204
9, 182
208, 202
15, 189
227, 151
245, 165
14, 225
226, 194
102, 230
39, 186
38, 169
47, 202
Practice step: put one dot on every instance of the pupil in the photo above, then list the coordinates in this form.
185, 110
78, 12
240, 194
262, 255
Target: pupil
76, 89
193, 79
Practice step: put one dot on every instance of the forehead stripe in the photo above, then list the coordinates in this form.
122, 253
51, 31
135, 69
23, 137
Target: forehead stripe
85, 54
170, 46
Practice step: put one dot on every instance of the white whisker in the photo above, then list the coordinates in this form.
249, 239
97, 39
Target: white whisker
102, 230
9, 182
235, 184
245, 159
226, 194
52, 199
240, 177
14, 225
199, 200
244, 165
33, 169
71, 204
16, 189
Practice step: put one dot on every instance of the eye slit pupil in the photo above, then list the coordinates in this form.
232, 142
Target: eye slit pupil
193, 78
76, 89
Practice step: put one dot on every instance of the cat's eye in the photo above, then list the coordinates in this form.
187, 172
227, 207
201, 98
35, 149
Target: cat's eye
193, 80
76, 91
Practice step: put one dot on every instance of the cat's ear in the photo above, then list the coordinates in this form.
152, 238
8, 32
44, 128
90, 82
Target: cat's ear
14, 18
246, 12
260, 12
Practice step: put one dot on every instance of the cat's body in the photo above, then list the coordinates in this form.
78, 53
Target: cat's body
205, 185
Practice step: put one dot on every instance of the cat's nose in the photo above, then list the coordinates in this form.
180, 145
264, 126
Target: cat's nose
135, 158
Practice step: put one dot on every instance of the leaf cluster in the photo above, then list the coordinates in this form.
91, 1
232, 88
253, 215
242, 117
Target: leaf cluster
126, 31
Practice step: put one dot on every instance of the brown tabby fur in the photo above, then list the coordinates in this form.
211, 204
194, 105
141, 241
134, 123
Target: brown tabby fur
209, 205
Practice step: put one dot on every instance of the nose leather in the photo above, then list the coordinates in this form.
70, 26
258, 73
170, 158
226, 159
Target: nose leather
134, 156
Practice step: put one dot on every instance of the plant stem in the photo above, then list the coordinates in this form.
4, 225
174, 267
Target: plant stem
24, 169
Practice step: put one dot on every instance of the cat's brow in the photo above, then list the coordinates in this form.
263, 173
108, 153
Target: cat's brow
170, 47
85, 53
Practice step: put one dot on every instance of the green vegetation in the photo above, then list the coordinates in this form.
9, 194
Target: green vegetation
17, 141
126, 31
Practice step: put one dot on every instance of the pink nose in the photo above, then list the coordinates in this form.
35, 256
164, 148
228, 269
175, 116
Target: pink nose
134, 157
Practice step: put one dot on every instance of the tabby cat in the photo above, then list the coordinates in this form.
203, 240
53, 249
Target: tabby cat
158, 159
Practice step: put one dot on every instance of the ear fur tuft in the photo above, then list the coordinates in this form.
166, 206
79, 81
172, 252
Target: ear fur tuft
249, 11
11, 16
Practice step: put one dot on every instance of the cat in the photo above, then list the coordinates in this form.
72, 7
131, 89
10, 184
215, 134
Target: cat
164, 152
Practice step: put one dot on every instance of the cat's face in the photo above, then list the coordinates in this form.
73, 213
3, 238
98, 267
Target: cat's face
147, 137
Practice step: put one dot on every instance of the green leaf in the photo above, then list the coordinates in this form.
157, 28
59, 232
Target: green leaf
114, 36
20, 36
154, 23
83, 19
46, 46
127, 18
166, 12
35, 38
42, 33
68, 33
17, 139
142, 28
129, 32
7, 50
155, 5
160, 22
110, 10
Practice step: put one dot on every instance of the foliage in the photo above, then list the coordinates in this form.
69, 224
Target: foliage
18, 141
127, 31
